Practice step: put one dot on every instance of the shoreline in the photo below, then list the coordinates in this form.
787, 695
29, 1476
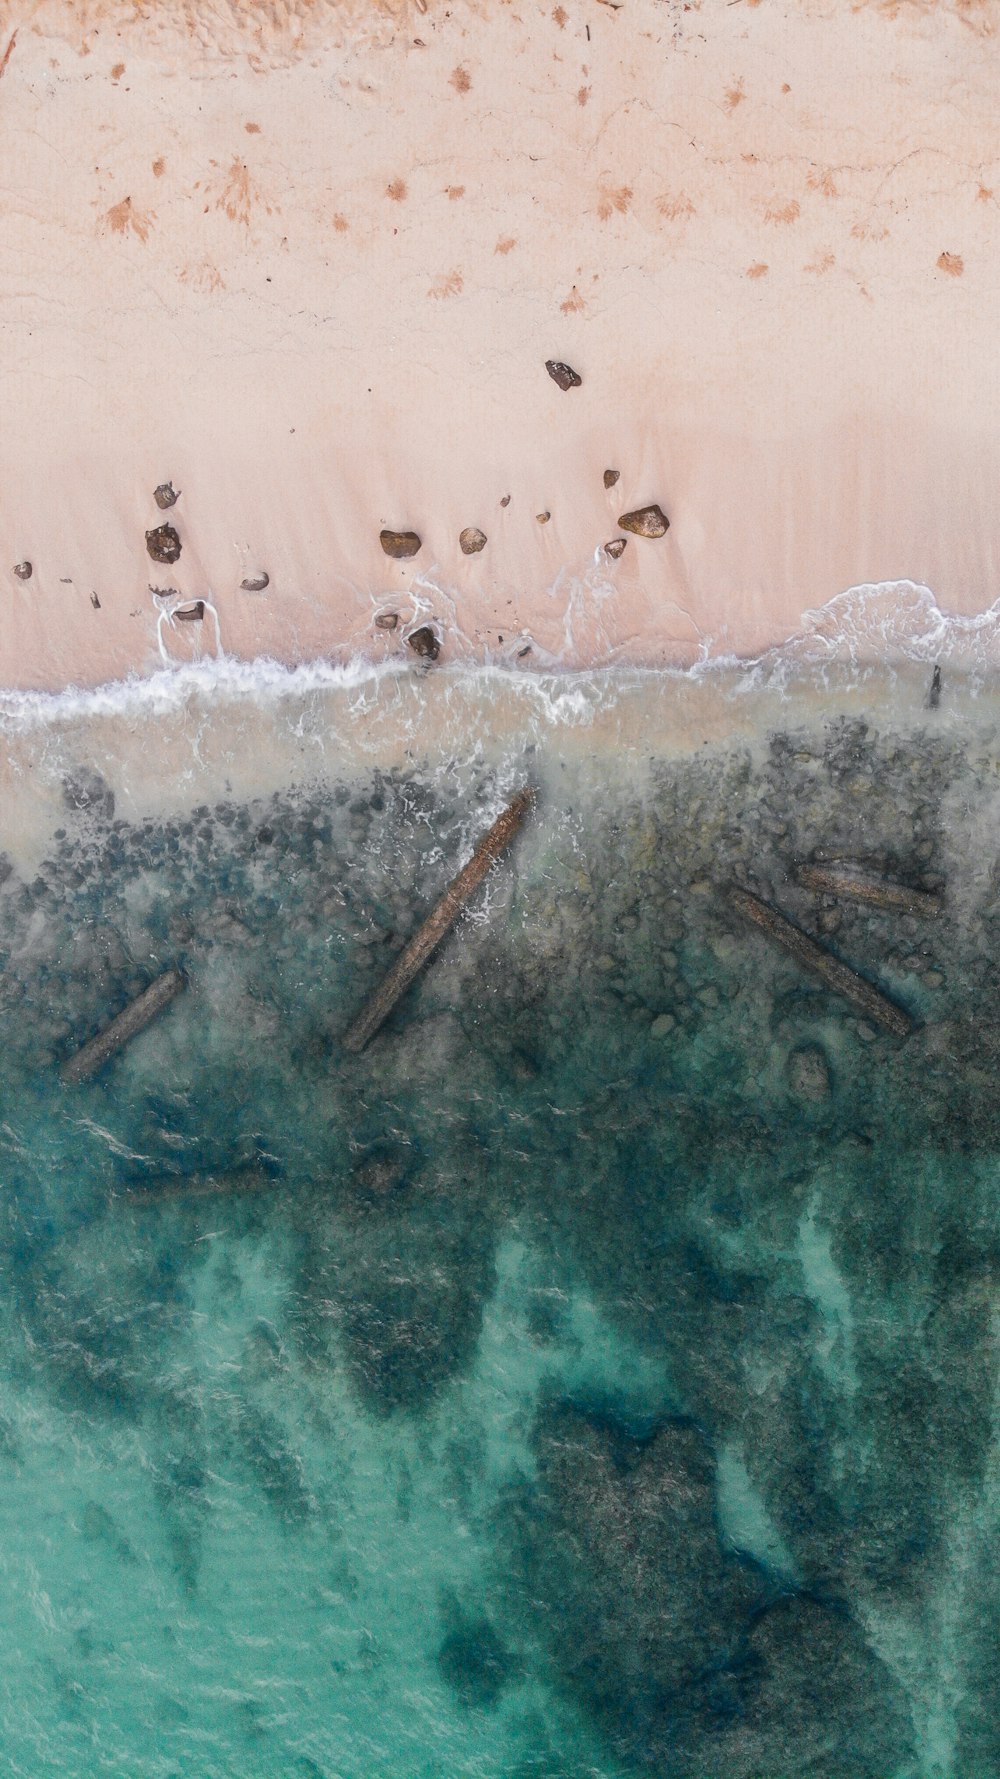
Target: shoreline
311, 278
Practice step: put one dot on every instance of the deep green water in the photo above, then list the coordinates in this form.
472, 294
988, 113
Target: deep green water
598, 1376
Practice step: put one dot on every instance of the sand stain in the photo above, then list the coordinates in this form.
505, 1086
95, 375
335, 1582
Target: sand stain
396, 190
123, 217
952, 263
460, 79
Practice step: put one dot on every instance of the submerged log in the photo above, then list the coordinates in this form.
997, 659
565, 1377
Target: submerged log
227, 1182
856, 885
840, 977
93, 1055
413, 957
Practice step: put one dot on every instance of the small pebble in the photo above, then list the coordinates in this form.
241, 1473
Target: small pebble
471, 540
563, 374
165, 496
505, 500
424, 643
163, 544
615, 548
387, 620
255, 583
399, 543
23, 571
95, 602
611, 476
525, 651
648, 521
543, 518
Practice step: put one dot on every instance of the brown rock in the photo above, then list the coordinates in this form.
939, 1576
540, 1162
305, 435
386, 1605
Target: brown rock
165, 496
615, 548
505, 500
471, 540
543, 518
424, 643
191, 614
163, 544
399, 543
387, 620
645, 522
255, 583
563, 374
23, 571
611, 477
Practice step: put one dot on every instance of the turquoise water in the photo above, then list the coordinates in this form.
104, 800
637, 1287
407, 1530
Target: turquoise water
597, 1376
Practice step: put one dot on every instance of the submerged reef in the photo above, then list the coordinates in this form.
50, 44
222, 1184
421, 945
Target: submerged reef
630, 1301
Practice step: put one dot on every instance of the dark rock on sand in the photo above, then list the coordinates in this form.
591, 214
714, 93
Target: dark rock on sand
648, 521
255, 583
615, 548
505, 500
23, 571
563, 374
423, 642
399, 543
386, 620
165, 496
86, 789
471, 540
611, 476
191, 614
163, 544
543, 518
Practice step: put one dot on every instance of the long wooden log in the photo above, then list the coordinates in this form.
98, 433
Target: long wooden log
856, 885
413, 957
840, 977
93, 1055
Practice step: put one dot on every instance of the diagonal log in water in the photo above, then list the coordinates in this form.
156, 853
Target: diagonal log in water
93, 1055
838, 976
412, 959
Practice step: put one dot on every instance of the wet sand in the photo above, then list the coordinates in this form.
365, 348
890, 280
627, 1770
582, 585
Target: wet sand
308, 266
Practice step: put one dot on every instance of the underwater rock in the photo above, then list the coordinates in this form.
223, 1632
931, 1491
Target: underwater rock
611, 476
424, 643
87, 790
386, 620
808, 1074
165, 496
662, 1024
381, 1171
163, 544
255, 583
471, 540
645, 522
23, 571
472, 1659
400, 544
563, 374
616, 548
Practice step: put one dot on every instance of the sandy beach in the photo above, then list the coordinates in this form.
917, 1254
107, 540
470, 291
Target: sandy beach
306, 264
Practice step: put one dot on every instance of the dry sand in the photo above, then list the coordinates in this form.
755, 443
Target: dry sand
307, 263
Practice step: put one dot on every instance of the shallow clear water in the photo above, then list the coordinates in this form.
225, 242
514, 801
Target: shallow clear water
597, 1375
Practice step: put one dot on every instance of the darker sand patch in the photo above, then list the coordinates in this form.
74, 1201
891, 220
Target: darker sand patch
952, 263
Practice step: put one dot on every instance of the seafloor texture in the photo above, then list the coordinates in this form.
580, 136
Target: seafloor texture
597, 1376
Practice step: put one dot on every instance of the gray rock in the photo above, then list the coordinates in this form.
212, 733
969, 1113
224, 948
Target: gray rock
563, 374
424, 643
611, 476
648, 521
616, 548
163, 544
471, 540
23, 571
255, 583
399, 544
165, 496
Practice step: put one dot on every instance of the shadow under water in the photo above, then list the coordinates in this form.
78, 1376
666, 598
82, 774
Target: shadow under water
595, 1376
